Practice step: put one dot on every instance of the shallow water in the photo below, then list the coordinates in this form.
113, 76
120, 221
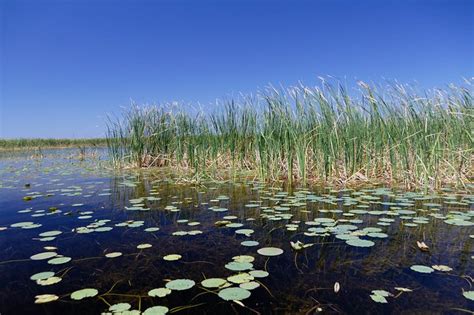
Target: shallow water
99, 211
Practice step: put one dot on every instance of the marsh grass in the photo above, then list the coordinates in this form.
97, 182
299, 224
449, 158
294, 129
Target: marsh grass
35, 143
394, 135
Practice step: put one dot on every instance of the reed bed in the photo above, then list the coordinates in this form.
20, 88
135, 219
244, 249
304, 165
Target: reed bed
394, 135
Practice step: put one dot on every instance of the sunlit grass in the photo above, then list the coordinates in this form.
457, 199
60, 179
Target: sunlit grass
302, 133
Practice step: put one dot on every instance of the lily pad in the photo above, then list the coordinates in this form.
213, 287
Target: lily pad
180, 284
422, 269
213, 282
357, 242
113, 254
48, 281
59, 260
45, 298
270, 251
84, 293
144, 246
120, 307
42, 256
42, 275
234, 294
172, 257
239, 266
378, 298
156, 310
468, 295
159, 292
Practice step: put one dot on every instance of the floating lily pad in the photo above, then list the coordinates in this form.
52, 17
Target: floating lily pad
259, 273
84, 293
120, 307
48, 281
442, 268
249, 285
239, 266
249, 243
144, 246
422, 269
59, 260
159, 292
270, 251
42, 256
358, 242
172, 257
468, 295
42, 275
213, 282
113, 254
180, 284
156, 310
240, 278
45, 298
378, 298
50, 233
234, 294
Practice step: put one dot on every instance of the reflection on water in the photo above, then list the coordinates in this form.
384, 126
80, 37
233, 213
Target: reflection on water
99, 211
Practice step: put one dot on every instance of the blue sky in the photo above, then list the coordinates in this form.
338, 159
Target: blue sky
65, 64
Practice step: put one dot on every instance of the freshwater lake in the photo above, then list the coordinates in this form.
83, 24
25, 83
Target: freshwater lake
77, 237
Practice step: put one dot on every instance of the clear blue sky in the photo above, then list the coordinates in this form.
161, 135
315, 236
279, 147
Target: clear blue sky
65, 64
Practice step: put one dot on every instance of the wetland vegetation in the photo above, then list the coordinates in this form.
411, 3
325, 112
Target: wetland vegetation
79, 237
324, 134
250, 210
39, 143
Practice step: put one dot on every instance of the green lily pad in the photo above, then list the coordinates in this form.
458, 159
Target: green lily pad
120, 307
249, 243
270, 251
213, 282
42, 275
239, 266
357, 242
42, 256
50, 233
84, 293
49, 281
156, 310
59, 260
378, 298
172, 257
240, 278
144, 246
159, 292
234, 294
249, 285
259, 273
468, 295
113, 254
422, 269
180, 284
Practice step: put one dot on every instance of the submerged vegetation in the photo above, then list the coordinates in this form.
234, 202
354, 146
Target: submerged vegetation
309, 134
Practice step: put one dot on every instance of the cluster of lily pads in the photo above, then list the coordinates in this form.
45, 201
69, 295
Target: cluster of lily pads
355, 219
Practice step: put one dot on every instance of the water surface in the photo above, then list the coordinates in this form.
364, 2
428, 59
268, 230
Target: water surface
99, 211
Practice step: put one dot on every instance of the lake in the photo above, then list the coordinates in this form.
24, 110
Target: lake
77, 237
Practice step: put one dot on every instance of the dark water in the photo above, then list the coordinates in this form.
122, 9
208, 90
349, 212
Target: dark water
299, 282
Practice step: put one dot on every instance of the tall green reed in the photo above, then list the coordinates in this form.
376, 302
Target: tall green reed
302, 133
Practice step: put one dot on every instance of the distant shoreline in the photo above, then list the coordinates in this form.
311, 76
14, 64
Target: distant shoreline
44, 143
